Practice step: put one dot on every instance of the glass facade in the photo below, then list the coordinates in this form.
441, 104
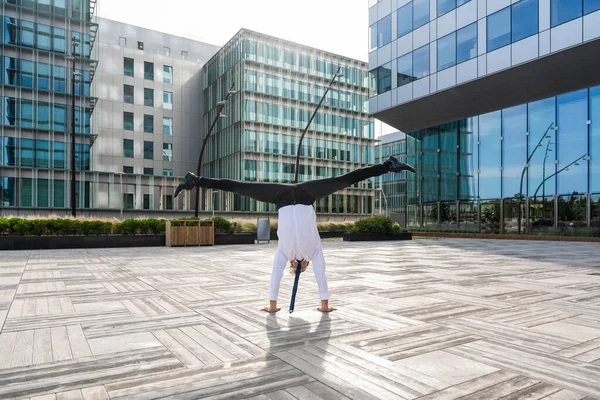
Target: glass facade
35, 106
281, 84
479, 165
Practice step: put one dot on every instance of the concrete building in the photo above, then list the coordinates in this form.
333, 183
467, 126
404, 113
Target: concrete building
501, 99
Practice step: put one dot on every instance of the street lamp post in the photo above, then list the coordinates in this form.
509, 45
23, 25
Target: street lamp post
525, 168
122, 194
220, 107
336, 75
74, 74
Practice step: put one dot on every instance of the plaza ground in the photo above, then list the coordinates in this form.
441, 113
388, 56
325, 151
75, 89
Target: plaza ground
421, 319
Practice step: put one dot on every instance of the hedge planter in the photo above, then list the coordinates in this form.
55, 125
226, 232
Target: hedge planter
365, 236
235, 238
323, 235
79, 242
508, 236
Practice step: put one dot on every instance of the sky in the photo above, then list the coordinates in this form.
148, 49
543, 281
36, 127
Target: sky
338, 26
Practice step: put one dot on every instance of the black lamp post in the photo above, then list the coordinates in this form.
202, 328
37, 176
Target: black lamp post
74, 74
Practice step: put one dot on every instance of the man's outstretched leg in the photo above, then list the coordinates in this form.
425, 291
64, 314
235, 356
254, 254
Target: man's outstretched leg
279, 263
324, 187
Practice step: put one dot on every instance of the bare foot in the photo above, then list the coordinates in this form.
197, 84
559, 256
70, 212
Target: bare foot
326, 309
270, 310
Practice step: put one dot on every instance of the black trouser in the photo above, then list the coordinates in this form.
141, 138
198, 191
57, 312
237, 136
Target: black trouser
283, 194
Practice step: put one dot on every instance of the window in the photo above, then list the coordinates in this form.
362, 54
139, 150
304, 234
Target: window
562, 11
525, 17
421, 62
168, 126
148, 123
148, 171
148, 97
127, 148
166, 51
167, 172
168, 100
444, 6
466, 43
149, 150
148, 70
147, 197
167, 152
405, 69
498, 29
420, 13
184, 55
384, 31
167, 74
127, 169
128, 94
405, 19
446, 51
27, 33
128, 66
590, 6
140, 45
122, 41
127, 201
127, 121
384, 78
58, 40
43, 37
43, 76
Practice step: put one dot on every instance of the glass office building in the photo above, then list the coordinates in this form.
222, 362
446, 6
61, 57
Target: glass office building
390, 194
278, 85
37, 40
501, 107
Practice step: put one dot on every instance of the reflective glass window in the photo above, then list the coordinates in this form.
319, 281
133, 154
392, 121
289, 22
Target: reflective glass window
572, 110
58, 79
384, 78
27, 113
127, 121
444, 6
466, 43
58, 40
148, 70
43, 193
43, 76
405, 19
167, 152
148, 150
43, 115
514, 149
58, 155
490, 130
405, 69
167, 74
147, 171
384, 31
168, 126
446, 51
127, 148
525, 16
42, 150
11, 30
44, 40
421, 62
27, 71
59, 117
562, 11
498, 29
148, 123
127, 169
149, 97
542, 114
27, 153
26, 192
27, 34
168, 100
420, 13
10, 71
128, 94
595, 139
128, 66
590, 6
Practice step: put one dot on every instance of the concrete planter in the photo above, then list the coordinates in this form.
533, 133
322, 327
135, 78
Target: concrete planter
323, 235
235, 238
365, 237
79, 242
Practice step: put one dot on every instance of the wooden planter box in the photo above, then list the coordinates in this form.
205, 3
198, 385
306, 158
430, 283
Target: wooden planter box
364, 237
190, 233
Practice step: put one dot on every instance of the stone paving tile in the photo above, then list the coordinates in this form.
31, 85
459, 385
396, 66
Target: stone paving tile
422, 319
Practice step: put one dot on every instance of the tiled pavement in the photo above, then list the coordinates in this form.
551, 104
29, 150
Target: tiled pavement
426, 319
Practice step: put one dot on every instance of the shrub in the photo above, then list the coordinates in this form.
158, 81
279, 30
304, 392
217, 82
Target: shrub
383, 225
274, 226
21, 227
222, 225
4, 226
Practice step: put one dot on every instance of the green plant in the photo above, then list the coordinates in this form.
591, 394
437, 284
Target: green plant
382, 225
222, 225
21, 227
4, 226
274, 226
